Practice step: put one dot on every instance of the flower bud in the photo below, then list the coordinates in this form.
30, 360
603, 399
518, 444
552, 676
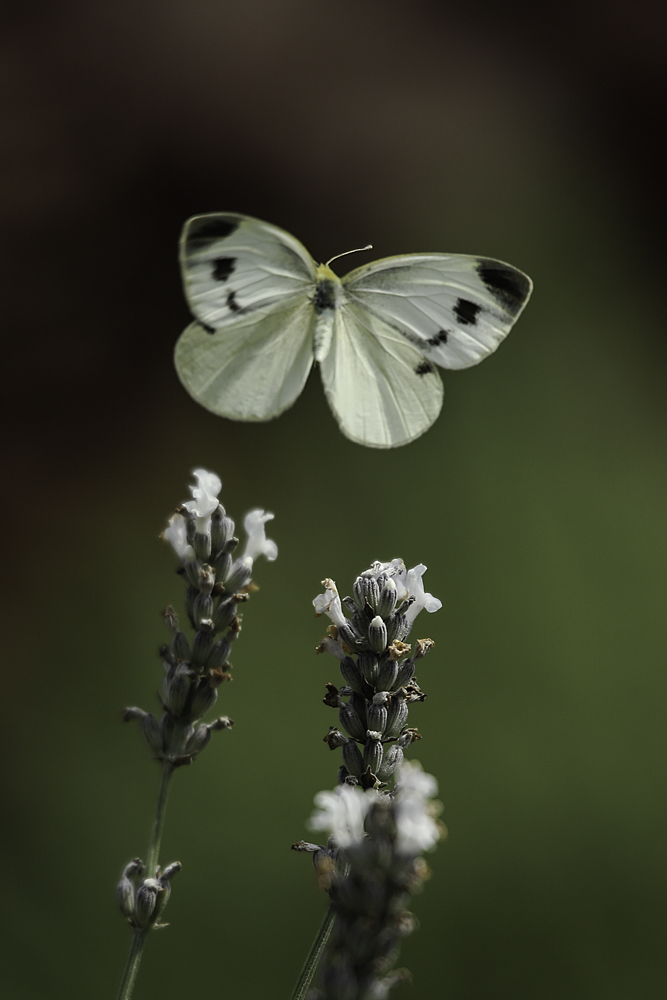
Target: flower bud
191, 570
404, 675
366, 591
351, 722
218, 655
206, 579
222, 528
170, 871
393, 760
377, 635
223, 722
368, 665
240, 575
146, 901
203, 643
376, 713
335, 738
203, 609
397, 627
397, 714
350, 671
197, 740
373, 752
133, 714
180, 646
203, 697
348, 635
387, 599
224, 614
125, 896
222, 563
152, 731
175, 689
423, 646
202, 546
387, 673
353, 759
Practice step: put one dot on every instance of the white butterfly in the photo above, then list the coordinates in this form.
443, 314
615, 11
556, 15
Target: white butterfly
265, 311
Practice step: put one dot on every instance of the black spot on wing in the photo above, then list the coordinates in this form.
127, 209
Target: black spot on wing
424, 368
222, 268
232, 303
507, 285
466, 312
325, 295
211, 227
204, 326
439, 338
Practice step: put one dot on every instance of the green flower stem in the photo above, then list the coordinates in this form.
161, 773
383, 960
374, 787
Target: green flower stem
132, 967
158, 823
314, 956
136, 951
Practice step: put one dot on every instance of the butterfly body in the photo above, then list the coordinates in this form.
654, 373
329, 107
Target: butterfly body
265, 311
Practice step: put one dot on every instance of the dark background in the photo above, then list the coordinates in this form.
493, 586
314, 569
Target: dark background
537, 500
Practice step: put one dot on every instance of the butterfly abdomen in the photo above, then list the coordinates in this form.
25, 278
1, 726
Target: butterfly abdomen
326, 299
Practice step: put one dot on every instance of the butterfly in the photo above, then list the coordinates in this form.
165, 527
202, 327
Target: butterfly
265, 311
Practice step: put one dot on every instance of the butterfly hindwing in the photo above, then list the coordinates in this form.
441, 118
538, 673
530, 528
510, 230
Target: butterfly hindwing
381, 390
233, 265
455, 309
253, 368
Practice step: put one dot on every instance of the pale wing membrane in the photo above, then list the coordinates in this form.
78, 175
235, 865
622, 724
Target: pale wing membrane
381, 390
233, 265
253, 369
455, 309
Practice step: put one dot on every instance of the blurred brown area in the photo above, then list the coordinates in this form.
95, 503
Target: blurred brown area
530, 134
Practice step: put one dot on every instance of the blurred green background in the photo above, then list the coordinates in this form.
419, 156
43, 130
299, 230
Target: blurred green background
537, 500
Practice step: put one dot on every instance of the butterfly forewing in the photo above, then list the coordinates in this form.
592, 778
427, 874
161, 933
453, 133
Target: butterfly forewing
455, 309
254, 368
381, 390
233, 265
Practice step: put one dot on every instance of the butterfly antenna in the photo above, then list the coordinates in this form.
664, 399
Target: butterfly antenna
358, 250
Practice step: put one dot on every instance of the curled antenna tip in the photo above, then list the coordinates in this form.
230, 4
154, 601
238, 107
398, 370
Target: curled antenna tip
346, 252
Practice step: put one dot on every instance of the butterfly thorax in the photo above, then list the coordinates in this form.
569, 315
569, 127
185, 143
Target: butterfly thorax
326, 299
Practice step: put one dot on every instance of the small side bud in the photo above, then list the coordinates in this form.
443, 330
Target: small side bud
223, 722
422, 647
170, 871
335, 738
133, 714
